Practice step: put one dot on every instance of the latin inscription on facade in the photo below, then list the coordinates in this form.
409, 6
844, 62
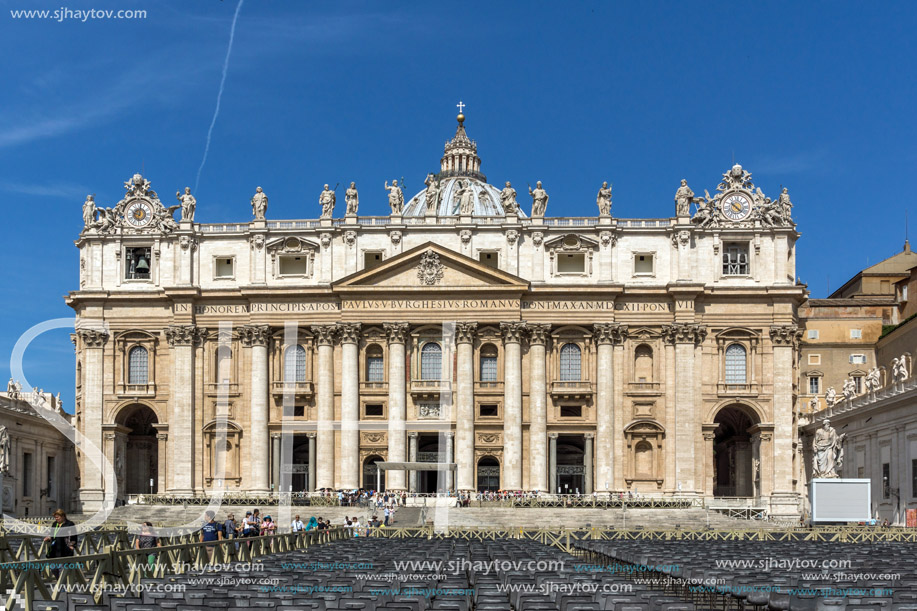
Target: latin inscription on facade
428, 304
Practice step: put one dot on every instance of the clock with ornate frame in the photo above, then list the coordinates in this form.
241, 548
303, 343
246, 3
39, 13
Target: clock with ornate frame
736, 206
138, 213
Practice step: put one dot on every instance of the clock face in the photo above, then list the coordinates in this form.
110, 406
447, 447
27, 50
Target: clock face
736, 207
139, 214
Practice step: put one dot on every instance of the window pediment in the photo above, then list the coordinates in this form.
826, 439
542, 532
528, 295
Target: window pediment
571, 242
292, 245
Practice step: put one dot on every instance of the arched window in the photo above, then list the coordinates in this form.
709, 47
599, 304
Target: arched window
570, 363
431, 361
488, 363
375, 364
294, 364
138, 366
735, 364
643, 364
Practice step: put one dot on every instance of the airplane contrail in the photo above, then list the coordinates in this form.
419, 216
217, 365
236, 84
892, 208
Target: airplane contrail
216, 112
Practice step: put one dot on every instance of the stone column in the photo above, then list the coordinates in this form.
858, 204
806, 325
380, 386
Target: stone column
450, 438
350, 405
325, 335
310, 485
606, 335
396, 333
537, 256
91, 487
257, 337
162, 441
182, 339
671, 418
552, 475
277, 461
412, 440
784, 340
587, 463
709, 436
464, 410
538, 410
685, 336
512, 404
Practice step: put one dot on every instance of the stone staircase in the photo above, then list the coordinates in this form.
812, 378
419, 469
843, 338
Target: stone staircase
470, 517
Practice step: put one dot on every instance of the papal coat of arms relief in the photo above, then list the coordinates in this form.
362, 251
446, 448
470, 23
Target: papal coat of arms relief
430, 269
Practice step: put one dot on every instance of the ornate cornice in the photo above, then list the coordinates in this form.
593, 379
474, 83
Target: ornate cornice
396, 332
539, 333
609, 333
465, 332
92, 338
684, 333
512, 331
255, 335
349, 332
185, 335
325, 334
785, 335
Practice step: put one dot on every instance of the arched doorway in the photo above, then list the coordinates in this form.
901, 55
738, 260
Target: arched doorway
369, 473
733, 464
140, 464
488, 474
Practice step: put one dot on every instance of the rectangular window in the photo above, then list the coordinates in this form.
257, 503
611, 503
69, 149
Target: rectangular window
886, 480
488, 258
488, 410
223, 267
904, 292
375, 371
299, 411
137, 263
293, 266
813, 333
571, 411
374, 409
814, 359
857, 359
735, 259
488, 368
858, 384
856, 334
52, 494
571, 263
643, 264
27, 474
814, 386
372, 259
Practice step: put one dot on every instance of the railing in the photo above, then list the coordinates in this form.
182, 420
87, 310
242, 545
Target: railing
222, 388
297, 388
648, 387
488, 385
737, 389
571, 388
137, 390
426, 387
223, 227
372, 385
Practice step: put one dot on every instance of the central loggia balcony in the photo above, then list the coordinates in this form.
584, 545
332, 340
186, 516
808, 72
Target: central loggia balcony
430, 388
300, 390
572, 389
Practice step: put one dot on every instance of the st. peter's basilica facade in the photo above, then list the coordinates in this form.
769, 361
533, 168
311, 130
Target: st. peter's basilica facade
532, 352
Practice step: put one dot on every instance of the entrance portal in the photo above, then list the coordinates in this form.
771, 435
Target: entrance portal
142, 450
732, 453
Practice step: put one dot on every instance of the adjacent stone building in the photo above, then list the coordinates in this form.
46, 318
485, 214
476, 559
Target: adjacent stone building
557, 354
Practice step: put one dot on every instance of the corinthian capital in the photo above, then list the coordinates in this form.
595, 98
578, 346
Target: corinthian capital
255, 335
539, 333
325, 334
92, 338
512, 331
350, 332
609, 333
684, 333
184, 335
396, 332
785, 335
465, 332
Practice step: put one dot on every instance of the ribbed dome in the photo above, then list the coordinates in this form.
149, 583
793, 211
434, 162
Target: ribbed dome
460, 169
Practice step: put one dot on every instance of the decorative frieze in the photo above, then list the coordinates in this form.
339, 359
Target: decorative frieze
484, 438
609, 333
185, 335
465, 332
373, 438
512, 331
255, 335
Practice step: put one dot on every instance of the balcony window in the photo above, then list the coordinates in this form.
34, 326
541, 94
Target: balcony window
431, 361
294, 364
570, 363
814, 385
488, 363
138, 366
735, 364
375, 365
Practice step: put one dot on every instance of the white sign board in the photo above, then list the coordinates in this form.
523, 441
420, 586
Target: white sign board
840, 500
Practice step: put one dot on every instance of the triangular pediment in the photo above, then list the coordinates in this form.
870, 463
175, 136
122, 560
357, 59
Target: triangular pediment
431, 267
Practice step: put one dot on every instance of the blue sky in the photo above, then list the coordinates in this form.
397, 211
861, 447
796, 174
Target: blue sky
815, 96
